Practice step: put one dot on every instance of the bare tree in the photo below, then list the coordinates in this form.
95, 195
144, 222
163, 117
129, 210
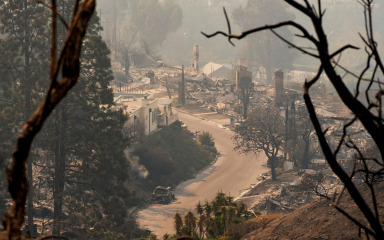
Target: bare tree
369, 115
134, 131
244, 94
68, 62
263, 131
298, 141
306, 129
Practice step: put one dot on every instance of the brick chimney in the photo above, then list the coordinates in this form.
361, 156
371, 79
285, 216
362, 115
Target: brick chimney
243, 76
278, 78
195, 57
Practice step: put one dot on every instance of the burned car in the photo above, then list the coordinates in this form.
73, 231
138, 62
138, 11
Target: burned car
162, 195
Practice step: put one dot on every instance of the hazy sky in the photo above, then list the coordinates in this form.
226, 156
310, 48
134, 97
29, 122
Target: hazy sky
343, 20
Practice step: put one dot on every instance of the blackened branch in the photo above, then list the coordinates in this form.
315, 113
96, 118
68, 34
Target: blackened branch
50, 7
263, 28
342, 49
368, 64
315, 78
301, 49
229, 26
338, 170
344, 135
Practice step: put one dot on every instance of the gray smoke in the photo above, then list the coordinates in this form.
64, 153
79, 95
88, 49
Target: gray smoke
135, 165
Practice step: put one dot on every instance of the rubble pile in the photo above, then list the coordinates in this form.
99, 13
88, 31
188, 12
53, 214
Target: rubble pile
293, 189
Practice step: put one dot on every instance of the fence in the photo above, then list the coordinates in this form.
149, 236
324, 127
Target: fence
121, 87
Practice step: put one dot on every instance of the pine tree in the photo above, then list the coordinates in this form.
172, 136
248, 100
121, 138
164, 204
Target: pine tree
82, 146
22, 26
90, 166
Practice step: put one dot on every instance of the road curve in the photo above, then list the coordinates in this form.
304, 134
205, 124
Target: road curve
231, 173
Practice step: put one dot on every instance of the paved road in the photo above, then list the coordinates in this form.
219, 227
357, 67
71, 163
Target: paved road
230, 174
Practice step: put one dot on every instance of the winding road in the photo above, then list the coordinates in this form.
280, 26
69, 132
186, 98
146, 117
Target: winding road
231, 173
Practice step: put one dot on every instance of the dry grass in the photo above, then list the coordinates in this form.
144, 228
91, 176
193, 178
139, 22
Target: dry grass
320, 220
242, 229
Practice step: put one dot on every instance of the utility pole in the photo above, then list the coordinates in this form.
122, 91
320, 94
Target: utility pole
114, 28
286, 132
149, 120
181, 98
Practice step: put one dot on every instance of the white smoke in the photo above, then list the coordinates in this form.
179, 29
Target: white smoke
135, 165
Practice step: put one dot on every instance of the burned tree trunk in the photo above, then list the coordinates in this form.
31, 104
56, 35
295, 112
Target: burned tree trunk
305, 161
60, 153
69, 64
181, 98
127, 63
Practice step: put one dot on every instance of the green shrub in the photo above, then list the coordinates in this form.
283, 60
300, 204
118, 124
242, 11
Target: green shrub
206, 139
171, 155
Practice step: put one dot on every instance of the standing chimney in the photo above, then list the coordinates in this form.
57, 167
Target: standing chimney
195, 58
243, 76
279, 87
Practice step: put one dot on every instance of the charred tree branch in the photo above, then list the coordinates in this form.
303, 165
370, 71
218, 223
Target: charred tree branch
17, 180
52, 9
266, 27
338, 170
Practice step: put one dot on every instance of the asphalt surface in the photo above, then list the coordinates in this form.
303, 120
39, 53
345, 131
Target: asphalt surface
232, 173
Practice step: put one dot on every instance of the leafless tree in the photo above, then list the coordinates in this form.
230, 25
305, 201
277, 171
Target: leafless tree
244, 94
314, 184
299, 144
134, 131
69, 64
263, 131
368, 114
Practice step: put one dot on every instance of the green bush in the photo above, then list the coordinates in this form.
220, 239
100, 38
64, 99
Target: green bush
171, 155
206, 139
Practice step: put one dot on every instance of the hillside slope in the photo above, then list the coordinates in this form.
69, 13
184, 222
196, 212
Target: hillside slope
318, 220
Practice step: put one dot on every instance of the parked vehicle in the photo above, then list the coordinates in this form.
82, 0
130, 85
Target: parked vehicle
162, 195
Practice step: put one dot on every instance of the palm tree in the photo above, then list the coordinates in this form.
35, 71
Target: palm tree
199, 208
215, 209
229, 201
200, 224
207, 209
241, 210
220, 199
224, 214
190, 222
178, 223
231, 212
209, 227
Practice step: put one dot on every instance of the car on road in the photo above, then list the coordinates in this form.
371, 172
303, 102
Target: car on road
162, 195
